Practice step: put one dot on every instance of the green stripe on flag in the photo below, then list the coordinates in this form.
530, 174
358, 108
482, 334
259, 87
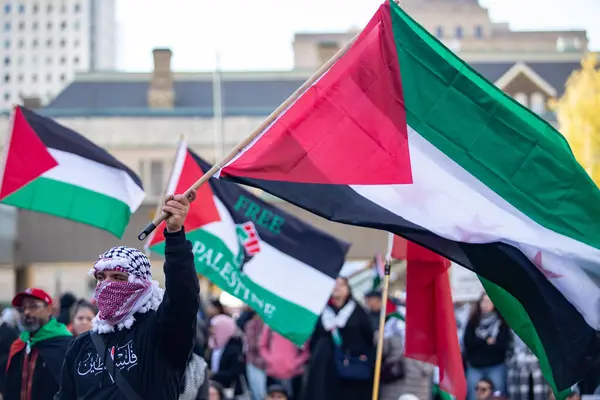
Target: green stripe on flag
518, 319
72, 202
220, 267
503, 144
443, 395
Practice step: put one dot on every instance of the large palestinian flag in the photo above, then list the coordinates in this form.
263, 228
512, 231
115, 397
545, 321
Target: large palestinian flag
51, 169
402, 135
275, 263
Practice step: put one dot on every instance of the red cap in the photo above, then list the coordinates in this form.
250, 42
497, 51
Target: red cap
31, 292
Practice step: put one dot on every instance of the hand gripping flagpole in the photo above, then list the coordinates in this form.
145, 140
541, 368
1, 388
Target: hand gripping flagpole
241, 146
382, 314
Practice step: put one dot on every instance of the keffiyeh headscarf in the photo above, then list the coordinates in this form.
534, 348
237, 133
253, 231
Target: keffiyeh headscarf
119, 301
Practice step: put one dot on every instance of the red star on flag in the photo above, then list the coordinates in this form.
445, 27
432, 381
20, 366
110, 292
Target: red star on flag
537, 261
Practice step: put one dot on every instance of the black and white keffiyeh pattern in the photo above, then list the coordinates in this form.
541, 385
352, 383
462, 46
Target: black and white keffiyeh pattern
123, 299
130, 260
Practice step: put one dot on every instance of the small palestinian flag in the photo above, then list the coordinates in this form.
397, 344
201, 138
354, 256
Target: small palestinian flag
249, 238
280, 266
51, 169
378, 268
400, 134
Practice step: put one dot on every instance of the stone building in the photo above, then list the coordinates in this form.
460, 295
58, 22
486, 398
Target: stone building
140, 117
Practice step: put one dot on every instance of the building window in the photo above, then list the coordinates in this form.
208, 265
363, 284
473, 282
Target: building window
63, 77
156, 177
63, 60
76, 25
35, 43
21, 43
63, 25
521, 98
479, 32
538, 103
34, 78
76, 60
63, 43
63, 8
6, 78
458, 31
6, 61
35, 26
50, 8
7, 26
7, 44
21, 26
439, 32
577, 43
49, 60
36, 8
76, 43
6, 96
327, 50
560, 44
20, 78
49, 25
22, 9
77, 7
49, 78
7, 8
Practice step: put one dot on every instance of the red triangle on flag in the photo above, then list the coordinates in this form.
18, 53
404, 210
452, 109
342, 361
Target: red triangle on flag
26, 156
203, 210
348, 128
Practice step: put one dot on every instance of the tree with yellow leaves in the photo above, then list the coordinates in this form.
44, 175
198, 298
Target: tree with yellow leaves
578, 112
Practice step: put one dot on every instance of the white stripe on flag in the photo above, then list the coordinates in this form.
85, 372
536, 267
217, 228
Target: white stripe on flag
112, 182
275, 271
447, 200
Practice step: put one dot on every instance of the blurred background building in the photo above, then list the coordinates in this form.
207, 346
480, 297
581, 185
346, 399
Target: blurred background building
43, 44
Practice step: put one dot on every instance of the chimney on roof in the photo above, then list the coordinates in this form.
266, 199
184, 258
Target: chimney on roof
161, 93
31, 102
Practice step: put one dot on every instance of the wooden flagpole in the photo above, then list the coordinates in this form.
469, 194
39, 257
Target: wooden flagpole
159, 205
264, 125
380, 333
161, 200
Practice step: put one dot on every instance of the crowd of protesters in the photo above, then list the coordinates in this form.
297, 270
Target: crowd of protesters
135, 340
237, 356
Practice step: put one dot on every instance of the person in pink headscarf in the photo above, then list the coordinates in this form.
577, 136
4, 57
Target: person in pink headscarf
227, 362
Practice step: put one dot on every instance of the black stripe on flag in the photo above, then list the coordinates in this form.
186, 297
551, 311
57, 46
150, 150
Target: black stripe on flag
568, 340
58, 137
293, 237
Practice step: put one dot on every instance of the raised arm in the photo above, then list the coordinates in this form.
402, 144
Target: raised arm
178, 310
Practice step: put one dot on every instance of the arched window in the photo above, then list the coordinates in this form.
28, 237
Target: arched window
459, 32
521, 98
538, 103
439, 32
479, 32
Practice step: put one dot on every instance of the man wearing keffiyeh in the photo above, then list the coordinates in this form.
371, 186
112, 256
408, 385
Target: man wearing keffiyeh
147, 333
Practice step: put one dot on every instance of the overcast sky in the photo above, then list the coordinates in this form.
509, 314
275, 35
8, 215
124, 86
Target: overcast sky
257, 34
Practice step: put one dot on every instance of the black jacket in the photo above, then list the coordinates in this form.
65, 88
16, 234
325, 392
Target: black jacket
152, 355
8, 335
232, 365
480, 354
323, 381
46, 373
